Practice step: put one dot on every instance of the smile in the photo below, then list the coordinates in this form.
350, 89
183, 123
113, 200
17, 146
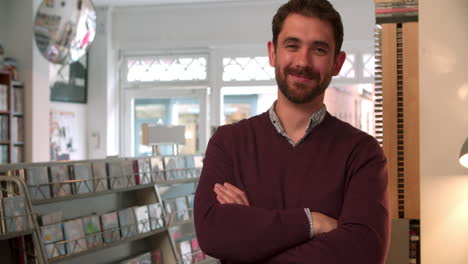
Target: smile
300, 78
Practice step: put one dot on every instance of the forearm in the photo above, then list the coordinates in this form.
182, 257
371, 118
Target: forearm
247, 234
347, 244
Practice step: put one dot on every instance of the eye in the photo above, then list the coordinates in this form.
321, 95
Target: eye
320, 51
291, 46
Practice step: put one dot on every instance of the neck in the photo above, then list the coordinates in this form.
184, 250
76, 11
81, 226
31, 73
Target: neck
295, 117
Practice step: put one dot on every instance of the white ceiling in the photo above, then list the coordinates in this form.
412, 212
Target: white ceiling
154, 2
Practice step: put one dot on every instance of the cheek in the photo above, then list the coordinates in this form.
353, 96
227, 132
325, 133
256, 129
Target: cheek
326, 67
283, 59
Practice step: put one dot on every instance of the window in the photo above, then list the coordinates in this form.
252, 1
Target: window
369, 65
166, 68
348, 71
247, 69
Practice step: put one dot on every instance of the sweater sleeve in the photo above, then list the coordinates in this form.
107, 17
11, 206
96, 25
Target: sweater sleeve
240, 233
362, 234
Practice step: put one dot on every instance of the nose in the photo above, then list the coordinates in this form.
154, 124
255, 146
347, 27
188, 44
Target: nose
302, 58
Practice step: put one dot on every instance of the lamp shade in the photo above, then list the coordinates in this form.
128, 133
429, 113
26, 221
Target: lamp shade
156, 134
464, 154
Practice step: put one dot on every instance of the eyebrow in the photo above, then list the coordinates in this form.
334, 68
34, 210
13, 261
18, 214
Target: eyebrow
314, 43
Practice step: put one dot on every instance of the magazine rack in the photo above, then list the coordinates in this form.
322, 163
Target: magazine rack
79, 197
18, 220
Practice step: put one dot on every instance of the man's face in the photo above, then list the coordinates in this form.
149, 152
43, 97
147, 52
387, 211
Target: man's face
304, 58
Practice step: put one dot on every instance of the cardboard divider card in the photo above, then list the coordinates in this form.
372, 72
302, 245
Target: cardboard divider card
142, 217
83, 176
128, 222
60, 177
157, 169
37, 180
100, 176
110, 227
74, 234
156, 216
15, 214
92, 229
51, 235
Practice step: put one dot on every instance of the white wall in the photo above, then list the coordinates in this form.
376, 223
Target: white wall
3, 21
102, 102
219, 24
444, 127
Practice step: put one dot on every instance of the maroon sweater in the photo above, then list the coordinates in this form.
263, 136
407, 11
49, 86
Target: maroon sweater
337, 170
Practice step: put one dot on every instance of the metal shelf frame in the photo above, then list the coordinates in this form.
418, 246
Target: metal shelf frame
19, 189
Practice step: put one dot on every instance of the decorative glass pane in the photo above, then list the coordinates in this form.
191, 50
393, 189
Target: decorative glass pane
369, 65
247, 69
166, 69
347, 71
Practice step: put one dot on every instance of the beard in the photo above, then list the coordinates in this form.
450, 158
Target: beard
303, 93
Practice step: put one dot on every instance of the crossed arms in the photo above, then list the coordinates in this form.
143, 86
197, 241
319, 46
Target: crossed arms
231, 229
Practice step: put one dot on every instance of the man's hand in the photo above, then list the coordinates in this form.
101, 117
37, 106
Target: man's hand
229, 194
323, 223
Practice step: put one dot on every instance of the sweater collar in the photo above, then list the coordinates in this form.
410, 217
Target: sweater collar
315, 119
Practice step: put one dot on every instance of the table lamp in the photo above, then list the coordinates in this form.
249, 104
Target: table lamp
156, 134
464, 154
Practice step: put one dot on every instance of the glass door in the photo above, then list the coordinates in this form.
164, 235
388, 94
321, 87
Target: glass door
170, 107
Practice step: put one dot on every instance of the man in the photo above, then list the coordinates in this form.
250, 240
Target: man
295, 184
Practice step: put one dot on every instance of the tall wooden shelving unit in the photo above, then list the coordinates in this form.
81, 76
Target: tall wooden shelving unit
400, 103
14, 145
397, 113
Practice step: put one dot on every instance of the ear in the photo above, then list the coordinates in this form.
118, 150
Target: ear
271, 53
339, 61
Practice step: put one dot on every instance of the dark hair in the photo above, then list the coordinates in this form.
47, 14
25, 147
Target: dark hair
321, 9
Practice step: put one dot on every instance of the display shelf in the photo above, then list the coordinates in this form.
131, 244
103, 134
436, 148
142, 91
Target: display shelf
179, 181
87, 195
128, 183
173, 221
16, 234
104, 246
17, 218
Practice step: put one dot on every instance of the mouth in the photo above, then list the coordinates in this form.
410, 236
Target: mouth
302, 75
301, 78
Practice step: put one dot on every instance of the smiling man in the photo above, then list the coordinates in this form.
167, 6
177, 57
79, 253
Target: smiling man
295, 184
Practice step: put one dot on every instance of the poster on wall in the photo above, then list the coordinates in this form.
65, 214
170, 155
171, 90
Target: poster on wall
64, 136
69, 82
